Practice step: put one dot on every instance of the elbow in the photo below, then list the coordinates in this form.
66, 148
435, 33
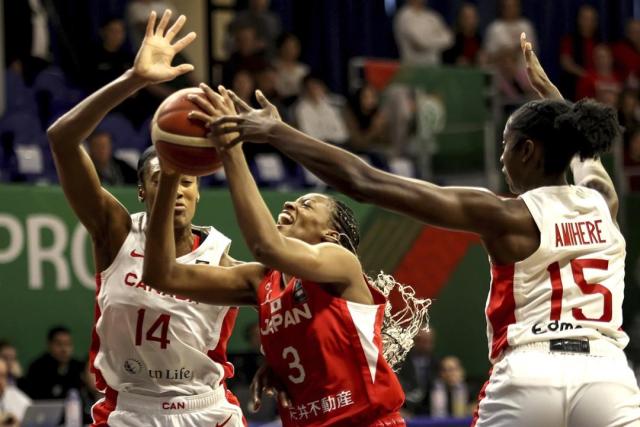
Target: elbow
55, 133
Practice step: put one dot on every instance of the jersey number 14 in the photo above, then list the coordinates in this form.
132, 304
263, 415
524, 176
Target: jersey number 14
161, 323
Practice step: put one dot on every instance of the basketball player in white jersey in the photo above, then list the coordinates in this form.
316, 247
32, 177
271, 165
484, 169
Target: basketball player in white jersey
160, 359
554, 312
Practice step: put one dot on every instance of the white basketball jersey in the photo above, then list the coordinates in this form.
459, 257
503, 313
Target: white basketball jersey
572, 286
150, 343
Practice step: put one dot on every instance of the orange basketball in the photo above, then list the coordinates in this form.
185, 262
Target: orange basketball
181, 142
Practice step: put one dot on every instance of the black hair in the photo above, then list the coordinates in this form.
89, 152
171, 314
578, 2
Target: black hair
57, 330
284, 37
5, 343
146, 156
586, 128
344, 220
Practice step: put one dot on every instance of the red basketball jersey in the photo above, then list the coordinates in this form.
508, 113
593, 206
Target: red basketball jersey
328, 353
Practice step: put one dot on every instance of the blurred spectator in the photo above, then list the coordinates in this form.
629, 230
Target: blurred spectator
53, 374
13, 402
10, 355
627, 54
629, 110
632, 160
247, 363
419, 372
290, 71
317, 114
111, 170
576, 50
504, 32
267, 81
265, 23
248, 54
366, 122
112, 58
421, 34
512, 81
243, 85
137, 15
450, 396
26, 26
597, 83
467, 49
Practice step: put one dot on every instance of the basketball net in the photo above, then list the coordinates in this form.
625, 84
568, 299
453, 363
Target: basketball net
399, 328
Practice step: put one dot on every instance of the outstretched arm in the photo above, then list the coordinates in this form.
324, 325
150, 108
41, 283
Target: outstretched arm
98, 211
588, 173
214, 285
470, 209
323, 263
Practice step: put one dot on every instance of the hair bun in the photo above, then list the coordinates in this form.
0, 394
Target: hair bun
591, 126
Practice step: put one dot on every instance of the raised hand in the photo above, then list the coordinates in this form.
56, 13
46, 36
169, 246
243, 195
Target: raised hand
153, 61
214, 106
537, 76
250, 125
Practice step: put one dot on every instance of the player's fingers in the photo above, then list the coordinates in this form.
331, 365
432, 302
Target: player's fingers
262, 100
175, 28
203, 103
224, 130
523, 40
227, 119
283, 398
151, 23
182, 69
241, 106
200, 116
235, 141
227, 99
213, 96
164, 21
184, 42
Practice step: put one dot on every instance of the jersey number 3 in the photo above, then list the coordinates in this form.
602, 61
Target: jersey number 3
162, 323
577, 268
294, 364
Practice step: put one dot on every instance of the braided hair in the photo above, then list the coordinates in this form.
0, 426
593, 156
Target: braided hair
586, 128
344, 220
146, 156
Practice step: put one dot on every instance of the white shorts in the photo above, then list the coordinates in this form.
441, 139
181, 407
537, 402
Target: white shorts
532, 386
216, 408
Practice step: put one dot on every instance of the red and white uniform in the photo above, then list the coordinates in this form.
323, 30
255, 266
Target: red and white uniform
570, 288
328, 353
160, 358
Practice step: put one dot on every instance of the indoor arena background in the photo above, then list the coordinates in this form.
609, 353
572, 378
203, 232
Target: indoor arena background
55, 52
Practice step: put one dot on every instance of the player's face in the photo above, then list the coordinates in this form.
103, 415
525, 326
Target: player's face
61, 347
186, 198
308, 218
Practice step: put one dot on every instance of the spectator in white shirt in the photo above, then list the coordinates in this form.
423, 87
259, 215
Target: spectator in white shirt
421, 34
504, 33
13, 402
290, 71
317, 114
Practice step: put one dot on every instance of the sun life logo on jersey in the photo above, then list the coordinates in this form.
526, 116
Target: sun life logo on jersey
132, 366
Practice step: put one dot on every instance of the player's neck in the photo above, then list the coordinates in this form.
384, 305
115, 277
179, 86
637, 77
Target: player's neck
184, 240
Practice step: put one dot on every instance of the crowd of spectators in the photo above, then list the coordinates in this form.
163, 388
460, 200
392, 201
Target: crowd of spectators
263, 55
52, 376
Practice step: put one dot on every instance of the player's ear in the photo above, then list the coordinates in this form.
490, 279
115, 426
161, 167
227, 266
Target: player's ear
331, 236
140, 193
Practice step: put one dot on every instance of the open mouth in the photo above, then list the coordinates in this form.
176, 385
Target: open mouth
285, 218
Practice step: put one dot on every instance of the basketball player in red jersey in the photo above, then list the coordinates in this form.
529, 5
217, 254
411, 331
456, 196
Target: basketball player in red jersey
159, 358
554, 311
320, 317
